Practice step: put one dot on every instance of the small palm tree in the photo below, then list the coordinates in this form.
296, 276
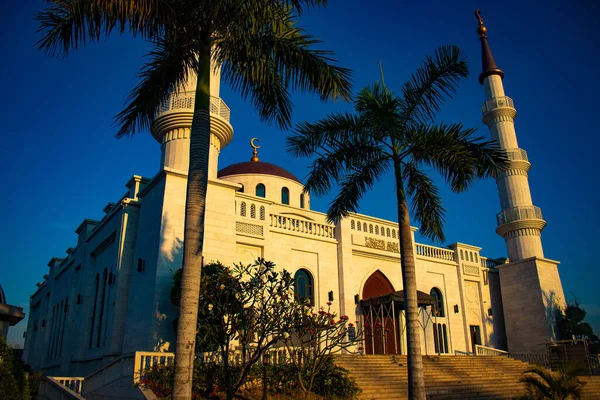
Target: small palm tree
262, 53
543, 384
387, 132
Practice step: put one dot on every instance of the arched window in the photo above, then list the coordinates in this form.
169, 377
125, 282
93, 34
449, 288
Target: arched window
302, 200
376, 230
370, 228
262, 213
461, 255
303, 286
438, 306
261, 191
393, 234
352, 224
243, 209
364, 227
471, 256
285, 195
358, 227
252, 211
387, 232
241, 190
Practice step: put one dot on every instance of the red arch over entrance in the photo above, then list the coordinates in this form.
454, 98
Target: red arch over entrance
377, 285
379, 327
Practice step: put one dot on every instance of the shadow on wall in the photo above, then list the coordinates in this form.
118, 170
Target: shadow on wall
170, 259
552, 310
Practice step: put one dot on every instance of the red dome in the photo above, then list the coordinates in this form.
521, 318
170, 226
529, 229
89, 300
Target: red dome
259, 168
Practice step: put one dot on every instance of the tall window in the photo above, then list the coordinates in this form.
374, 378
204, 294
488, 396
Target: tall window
285, 195
303, 286
100, 320
438, 305
302, 200
94, 311
440, 338
261, 191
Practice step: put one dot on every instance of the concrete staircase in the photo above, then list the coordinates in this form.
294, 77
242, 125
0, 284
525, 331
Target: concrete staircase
446, 377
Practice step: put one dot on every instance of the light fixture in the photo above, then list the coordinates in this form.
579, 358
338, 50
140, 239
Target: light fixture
330, 295
456, 309
356, 299
490, 312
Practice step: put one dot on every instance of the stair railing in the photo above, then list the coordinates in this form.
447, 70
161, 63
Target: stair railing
489, 351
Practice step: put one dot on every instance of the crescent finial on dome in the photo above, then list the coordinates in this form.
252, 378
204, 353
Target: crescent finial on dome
255, 150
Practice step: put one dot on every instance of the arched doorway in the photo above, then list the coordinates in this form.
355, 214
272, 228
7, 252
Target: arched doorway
379, 326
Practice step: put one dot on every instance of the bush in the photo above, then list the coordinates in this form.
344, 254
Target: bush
333, 381
8, 383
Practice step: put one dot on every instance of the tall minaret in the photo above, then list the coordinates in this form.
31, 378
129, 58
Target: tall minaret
530, 284
520, 223
173, 123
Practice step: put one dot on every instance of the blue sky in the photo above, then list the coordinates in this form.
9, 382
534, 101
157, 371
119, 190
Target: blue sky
62, 163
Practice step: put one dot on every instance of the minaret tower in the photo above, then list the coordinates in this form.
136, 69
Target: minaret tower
173, 123
530, 284
520, 223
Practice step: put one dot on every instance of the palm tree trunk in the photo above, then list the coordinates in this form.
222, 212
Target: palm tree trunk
193, 238
416, 379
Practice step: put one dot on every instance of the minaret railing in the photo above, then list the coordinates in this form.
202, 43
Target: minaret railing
186, 100
497, 102
518, 214
517, 155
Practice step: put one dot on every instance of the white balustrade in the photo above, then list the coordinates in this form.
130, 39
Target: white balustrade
440, 253
73, 383
497, 102
518, 214
145, 360
302, 226
489, 351
186, 100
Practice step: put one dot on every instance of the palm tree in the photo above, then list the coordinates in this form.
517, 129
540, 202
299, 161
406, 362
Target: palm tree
543, 384
262, 55
386, 132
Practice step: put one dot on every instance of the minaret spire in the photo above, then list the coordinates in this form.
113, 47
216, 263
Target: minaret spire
488, 64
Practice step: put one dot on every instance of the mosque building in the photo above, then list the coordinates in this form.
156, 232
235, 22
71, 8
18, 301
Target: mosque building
109, 295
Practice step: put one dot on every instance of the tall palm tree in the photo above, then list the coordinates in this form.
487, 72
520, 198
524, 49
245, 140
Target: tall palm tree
387, 132
262, 53
543, 384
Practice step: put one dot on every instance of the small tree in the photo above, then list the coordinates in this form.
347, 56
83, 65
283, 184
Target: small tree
251, 307
315, 336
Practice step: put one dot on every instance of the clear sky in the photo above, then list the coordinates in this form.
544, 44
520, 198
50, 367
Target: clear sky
61, 162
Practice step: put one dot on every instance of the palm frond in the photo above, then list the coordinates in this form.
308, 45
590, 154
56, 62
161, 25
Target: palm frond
267, 55
426, 202
379, 110
452, 150
433, 82
362, 176
308, 137
170, 61
66, 24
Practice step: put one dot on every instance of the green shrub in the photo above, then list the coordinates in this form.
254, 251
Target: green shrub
333, 381
8, 383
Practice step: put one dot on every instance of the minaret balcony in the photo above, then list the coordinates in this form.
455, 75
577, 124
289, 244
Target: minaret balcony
178, 112
497, 102
184, 101
518, 214
517, 218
